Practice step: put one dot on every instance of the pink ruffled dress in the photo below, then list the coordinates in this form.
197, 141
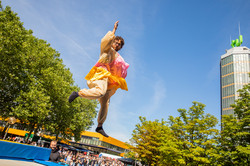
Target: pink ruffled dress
115, 70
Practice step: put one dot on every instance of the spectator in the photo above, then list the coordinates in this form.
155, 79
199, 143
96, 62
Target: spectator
54, 155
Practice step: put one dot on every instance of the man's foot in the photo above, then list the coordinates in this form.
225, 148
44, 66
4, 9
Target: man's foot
73, 96
101, 131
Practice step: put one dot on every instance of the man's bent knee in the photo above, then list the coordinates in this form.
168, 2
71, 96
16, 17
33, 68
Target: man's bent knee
100, 93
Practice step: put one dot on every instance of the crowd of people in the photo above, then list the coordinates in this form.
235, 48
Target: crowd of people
68, 157
80, 159
22, 140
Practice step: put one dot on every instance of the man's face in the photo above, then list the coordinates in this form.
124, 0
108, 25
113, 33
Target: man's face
117, 45
53, 145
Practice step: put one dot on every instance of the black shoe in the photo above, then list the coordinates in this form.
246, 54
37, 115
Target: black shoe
73, 96
101, 131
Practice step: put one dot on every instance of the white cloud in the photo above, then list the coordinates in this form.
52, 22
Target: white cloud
157, 98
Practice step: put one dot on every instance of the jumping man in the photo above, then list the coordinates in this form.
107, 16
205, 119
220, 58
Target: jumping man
106, 76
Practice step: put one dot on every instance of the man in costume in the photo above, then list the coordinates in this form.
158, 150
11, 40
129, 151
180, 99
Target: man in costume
106, 76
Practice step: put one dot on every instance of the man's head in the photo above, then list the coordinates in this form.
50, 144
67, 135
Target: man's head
117, 43
53, 145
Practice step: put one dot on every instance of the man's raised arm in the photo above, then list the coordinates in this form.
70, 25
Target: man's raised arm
108, 38
115, 26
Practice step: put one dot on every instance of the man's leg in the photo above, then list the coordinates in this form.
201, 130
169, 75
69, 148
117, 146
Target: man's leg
97, 90
102, 115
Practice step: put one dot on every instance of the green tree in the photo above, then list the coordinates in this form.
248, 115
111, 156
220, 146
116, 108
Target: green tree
147, 139
13, 37
196, 135
44, 67
189, 139
33, 108
235, 133
242, 111
44, 64
29, 66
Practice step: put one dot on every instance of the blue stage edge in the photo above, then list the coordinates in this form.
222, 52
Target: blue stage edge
22, 152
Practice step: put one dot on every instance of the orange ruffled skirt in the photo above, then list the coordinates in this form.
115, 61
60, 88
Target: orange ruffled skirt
98, 73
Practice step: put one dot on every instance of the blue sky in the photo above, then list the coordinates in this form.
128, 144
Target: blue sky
173, 48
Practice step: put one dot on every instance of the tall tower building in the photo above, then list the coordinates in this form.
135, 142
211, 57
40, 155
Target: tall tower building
234, 73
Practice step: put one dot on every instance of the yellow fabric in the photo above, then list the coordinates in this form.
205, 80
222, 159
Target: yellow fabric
97, 73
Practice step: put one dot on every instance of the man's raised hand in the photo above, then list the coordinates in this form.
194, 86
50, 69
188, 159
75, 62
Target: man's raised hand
115, 26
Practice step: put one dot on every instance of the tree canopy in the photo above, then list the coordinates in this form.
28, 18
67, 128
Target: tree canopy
35, 84
235, 133
188, 139
193, 139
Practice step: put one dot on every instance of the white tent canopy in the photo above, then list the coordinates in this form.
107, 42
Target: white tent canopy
109, 155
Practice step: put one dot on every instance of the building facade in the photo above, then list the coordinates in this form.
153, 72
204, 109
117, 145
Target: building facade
234, 73
99, 144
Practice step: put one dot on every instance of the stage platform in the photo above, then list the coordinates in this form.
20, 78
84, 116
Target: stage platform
5, 162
